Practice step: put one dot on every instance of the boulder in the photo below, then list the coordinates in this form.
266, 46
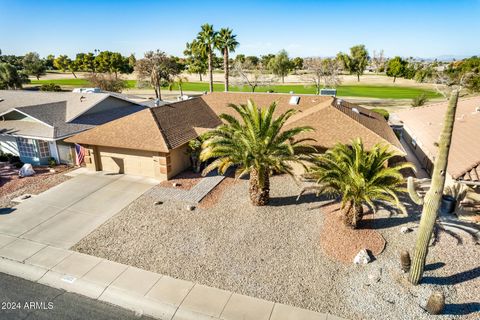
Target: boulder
362, 257
26, 170
190, 208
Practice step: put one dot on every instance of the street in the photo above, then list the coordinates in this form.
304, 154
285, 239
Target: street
22, 299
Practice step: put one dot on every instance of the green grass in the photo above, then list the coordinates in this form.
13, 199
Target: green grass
364, 91
63, 82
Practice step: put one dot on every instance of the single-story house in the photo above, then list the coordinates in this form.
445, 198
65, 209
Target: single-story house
34, 125
422, 127
154, 142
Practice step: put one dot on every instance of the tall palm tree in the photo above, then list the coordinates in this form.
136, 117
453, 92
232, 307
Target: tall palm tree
257, 145
205, 43
226, 43
359, 177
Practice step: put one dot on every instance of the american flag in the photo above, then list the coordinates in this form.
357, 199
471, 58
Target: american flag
80, 152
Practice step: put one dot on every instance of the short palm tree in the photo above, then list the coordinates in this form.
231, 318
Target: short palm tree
204, 45
257, 145
226, 42
359, 177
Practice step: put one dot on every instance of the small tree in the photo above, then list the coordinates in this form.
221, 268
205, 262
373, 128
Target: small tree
106, 82
322, 72
33, 65
179, 81
297, 63
357, 61
254, 76
280, 65
10, 78
157, 68
197, 62
359, 177
378, 61
396, 67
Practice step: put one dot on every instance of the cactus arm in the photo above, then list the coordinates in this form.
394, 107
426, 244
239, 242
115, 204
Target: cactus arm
412, 192
433, 197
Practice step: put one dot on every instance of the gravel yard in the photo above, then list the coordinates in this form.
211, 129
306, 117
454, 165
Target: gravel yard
12, 186
184, 181
281, 253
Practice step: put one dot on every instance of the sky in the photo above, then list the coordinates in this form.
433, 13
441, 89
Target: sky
424, 29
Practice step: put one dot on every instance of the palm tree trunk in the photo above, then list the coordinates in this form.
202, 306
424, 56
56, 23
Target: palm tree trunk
352, 214
259, 188
210, 70
433, 198
225, 67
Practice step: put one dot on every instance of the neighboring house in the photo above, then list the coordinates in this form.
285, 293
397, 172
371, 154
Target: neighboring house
33, 125
154, 142
422, 127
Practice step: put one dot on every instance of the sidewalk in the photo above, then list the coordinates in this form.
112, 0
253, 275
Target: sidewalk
145, 292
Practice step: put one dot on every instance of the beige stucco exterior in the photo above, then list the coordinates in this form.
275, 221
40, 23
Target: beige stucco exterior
158, 165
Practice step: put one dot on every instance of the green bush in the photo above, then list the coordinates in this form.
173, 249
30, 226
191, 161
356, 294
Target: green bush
52, 162
4, 157
384, 113
419, 100
18, 165
50, 87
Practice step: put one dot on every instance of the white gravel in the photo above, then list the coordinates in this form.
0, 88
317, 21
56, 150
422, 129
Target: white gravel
274, 253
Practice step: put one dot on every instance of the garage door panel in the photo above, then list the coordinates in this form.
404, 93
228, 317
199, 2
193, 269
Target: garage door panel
128, 161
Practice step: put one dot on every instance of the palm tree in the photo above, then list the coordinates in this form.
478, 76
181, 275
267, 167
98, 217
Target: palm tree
226, 43
178, 80
205, 43
359, 177
257, 145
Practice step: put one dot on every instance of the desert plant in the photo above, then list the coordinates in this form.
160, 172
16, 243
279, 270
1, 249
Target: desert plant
226, 42
384, 113
52, 162
193, 150
405, 260
258, 145
435, 303
433, 198
359, 177
50, 87
419, 100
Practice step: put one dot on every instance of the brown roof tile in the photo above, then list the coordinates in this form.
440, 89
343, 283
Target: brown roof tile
424, 124
157, 129
172, 125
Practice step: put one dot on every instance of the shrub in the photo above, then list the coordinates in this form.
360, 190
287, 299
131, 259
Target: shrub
107, 82
4, 157
419, 100
13, 159
52, 162
18, 165
384, 113
50, 87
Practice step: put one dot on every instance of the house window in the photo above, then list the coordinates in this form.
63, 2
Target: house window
43, 149
26, 147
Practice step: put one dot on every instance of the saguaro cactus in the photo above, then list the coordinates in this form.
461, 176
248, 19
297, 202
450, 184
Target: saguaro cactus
433, 198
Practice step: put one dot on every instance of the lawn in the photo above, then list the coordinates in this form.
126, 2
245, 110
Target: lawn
367, 91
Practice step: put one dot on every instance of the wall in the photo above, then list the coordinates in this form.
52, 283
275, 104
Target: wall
425, 161
8, 144
179, 160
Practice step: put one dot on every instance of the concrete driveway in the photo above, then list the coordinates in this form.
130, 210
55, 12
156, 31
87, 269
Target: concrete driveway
64, 214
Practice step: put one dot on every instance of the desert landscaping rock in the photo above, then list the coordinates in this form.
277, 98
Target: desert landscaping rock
278, 253
362, 257
405, 230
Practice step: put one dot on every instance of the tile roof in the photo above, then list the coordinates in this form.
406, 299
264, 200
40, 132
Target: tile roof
156, 129
183, 121
424, 124
53, 109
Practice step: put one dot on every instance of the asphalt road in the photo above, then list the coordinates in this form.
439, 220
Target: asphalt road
35, 301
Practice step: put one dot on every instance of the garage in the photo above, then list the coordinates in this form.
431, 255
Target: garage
134, 162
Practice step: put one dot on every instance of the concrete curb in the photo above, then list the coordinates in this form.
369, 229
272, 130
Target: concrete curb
142, 291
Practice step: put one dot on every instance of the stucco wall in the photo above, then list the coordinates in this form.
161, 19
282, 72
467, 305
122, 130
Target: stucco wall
179, 161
